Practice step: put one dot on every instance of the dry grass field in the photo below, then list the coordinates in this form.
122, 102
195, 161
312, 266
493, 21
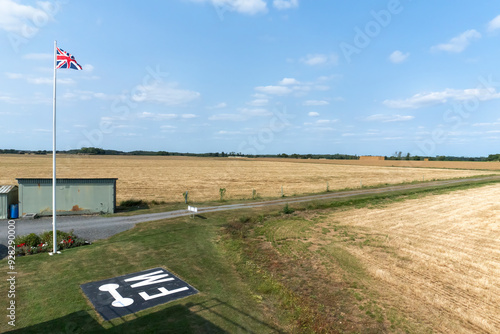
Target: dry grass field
166, 178
400, 163
435, 258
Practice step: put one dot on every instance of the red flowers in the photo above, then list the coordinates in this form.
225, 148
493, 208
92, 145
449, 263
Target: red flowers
69, 241
21, 245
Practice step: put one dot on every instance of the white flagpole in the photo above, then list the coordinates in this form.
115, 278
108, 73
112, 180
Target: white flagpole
54, 211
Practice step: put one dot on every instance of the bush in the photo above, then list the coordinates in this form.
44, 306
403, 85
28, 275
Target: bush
133, 203
287, 210
222, 192
33, 244
30, 240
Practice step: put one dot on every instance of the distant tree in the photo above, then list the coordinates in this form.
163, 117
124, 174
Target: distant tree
493, 157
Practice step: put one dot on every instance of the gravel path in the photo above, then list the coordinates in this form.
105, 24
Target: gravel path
95, 227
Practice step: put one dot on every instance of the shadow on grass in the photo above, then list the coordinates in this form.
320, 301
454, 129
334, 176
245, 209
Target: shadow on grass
3, 251
186, 318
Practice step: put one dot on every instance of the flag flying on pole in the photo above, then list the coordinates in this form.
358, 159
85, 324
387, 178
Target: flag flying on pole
66, 60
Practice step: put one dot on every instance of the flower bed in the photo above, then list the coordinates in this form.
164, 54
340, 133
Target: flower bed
32, 244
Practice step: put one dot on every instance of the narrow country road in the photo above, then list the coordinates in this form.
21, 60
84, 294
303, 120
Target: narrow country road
95, 227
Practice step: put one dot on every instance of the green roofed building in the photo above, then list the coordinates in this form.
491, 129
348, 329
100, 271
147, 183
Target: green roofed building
73, 196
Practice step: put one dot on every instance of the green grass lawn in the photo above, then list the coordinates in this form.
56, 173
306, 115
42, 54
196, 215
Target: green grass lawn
49, 298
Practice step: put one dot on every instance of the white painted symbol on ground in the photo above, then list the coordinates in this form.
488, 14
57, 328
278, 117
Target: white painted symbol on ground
119, 300
148, 279
164, 292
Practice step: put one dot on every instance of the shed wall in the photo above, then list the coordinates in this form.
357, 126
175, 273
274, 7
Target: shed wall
72, 198
4, 208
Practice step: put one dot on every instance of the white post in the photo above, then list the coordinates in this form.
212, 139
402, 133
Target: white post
54, 211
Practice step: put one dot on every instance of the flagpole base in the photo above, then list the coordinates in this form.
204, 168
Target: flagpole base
52, 253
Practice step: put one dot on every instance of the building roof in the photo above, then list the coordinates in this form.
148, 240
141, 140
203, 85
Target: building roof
6, 189
66, 181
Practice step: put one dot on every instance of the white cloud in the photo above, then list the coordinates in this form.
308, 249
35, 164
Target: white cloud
254, 112
38, 56
156, 117
388, 118
14, 75
259, 102
242, 115
221, 105
249, 7
274, 90
311, 103
398, 57
326, 121
14, 16
88, 68
188, 116
167, 94
487, 124
320, 125
313, 114
421, 100
86, 95
168, 128
459, 43
39, 81
320, 59
50, 81
224, 132
289, 81
494, 24
228, 117
285, 4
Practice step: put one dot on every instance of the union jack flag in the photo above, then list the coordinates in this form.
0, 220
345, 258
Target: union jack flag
66, 60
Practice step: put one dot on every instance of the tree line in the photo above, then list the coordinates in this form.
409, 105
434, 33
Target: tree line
396, 156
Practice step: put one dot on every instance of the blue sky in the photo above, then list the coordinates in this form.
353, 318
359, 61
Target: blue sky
254, 76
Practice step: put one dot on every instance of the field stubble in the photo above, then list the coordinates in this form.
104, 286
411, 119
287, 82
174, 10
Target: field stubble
445, 269
166, 178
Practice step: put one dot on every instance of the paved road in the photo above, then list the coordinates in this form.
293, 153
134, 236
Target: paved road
95, 227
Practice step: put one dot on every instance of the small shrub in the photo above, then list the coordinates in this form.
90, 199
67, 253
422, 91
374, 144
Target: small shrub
287, 210
30, 240
132, 203
222, 192
33, 244
244, 219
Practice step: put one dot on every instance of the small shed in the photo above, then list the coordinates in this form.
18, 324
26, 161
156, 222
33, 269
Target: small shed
8, 196
73, 196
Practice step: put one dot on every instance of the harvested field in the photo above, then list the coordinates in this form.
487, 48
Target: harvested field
435, 258
166, 178
478, 165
